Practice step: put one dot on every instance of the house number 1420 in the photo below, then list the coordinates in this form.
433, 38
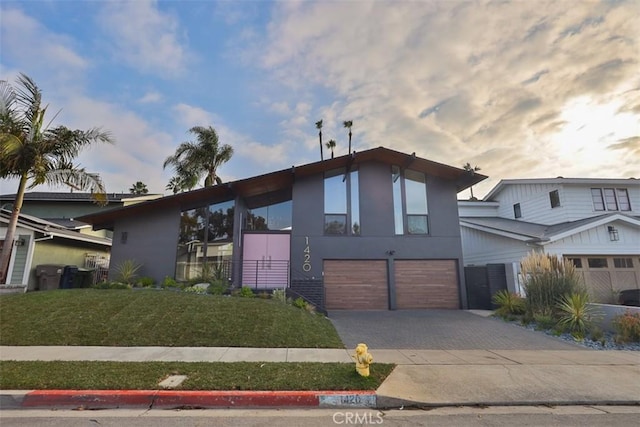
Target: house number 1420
306, 264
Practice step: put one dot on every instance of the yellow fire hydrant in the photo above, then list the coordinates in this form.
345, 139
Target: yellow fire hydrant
363, 359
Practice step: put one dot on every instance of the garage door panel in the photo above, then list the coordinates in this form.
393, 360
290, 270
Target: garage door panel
426, 284
355, 285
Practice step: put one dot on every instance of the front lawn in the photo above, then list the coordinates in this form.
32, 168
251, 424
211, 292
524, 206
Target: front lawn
93, 317
200, 376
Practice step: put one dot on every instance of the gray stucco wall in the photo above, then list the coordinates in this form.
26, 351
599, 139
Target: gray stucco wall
152, 241
377, 225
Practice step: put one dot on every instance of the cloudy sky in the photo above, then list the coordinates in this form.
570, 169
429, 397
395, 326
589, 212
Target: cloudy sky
522, 89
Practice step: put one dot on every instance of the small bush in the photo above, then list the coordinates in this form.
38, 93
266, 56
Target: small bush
544, 322
279, 295
627, 327
217, 288
169, 282
508, 303
299, 302
127, 271
246, 292
111, 285
145, 282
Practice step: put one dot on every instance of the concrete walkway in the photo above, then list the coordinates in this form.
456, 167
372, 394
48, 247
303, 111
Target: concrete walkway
422, 377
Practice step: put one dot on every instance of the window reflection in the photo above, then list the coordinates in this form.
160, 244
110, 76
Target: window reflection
205, 243
341, 202
410, 199
272, 217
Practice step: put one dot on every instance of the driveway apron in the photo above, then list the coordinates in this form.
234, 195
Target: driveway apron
438, 330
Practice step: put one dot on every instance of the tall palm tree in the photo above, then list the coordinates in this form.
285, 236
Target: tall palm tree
139, 188
192, 160
472, 170
331, 145
348, 124
36, 154
319, 127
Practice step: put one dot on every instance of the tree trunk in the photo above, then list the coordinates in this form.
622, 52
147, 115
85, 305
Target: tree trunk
11, 230
320, 136
349, 141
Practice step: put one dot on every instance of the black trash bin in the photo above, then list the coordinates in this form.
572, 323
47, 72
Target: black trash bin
68, 276
49, 276
84, 278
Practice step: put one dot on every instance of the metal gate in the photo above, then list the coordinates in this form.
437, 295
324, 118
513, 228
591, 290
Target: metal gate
482, 283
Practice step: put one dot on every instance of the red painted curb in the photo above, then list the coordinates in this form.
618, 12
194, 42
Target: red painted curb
94, 399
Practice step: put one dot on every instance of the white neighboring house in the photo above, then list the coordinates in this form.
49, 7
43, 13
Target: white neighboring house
595, 223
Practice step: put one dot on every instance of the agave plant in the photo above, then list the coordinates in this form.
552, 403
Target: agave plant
575, 313
508, 303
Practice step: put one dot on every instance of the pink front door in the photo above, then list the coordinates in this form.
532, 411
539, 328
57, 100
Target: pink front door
265, 260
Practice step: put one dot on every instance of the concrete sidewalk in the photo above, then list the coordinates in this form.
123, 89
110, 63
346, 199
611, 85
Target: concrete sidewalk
422, 378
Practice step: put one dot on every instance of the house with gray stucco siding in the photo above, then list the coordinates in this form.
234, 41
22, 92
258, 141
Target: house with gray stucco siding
377, 229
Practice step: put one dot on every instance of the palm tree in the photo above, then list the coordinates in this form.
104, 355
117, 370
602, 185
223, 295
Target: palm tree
36, 154
319, 127
348, 124
139, 188
192, 160
472, 170
331, 145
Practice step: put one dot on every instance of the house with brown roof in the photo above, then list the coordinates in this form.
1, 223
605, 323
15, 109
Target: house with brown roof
377, 229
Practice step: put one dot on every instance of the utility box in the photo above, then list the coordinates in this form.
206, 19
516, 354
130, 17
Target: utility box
49, 276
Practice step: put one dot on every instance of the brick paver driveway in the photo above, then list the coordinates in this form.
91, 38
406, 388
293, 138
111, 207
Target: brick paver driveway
438, 330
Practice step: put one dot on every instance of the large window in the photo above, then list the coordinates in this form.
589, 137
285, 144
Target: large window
272, 217
610, 199
205, 243
341, 203
410, 202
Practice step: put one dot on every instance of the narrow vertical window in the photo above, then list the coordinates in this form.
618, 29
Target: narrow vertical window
610, 199
397, 200
623, 199
554, 198
598, 201
355, 203
517, 212
335, 203
415, 185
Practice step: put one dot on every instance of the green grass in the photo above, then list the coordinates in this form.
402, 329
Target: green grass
201, 376
92, 317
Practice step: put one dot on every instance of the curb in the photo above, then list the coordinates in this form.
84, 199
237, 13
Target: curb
172, 399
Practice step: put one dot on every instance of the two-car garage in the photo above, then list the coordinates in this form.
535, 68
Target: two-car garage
396, 284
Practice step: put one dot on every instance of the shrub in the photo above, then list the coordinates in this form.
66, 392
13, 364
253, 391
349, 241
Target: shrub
246, 292
111, 285
299, 302
508, 303
544, 321
279, 295
546, 279
127, 271
217, 288
145, 282
169, 282
627, 327
575, 314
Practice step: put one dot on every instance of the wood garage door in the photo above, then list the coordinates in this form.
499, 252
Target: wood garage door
426, 284
355, 285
